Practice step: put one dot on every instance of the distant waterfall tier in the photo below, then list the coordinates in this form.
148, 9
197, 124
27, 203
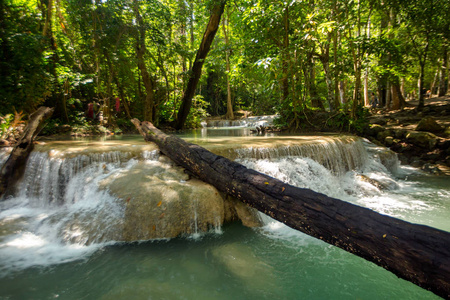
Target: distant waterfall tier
245, 122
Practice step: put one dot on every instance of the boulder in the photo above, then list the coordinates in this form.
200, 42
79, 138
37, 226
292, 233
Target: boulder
399, 133
389, 140
161, 201
422, 139
430, 125
447, 132
381, 136
375, 129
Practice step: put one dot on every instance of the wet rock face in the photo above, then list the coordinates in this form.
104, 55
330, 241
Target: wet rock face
162, 202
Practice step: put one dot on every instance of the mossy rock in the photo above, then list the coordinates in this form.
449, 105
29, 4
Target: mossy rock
430, 125
422, 139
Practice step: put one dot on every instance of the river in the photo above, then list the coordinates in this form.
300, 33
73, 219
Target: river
59, 236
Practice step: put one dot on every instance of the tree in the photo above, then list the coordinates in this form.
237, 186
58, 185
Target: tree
196, 70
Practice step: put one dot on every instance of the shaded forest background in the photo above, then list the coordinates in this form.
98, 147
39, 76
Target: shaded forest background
130, 58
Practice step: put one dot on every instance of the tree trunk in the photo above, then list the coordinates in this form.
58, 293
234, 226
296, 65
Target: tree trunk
14, 167
357, 66
335, 17
388, 95
229, 115
285, 57
146, 78
413, 252
435, 79
443, 74
196, 71
342, 92
366, 72
398, 101
116, 81
48, 20
420, 86
311, 83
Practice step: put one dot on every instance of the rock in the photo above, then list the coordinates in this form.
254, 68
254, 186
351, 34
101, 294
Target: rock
399, 133
63, 128
416, 163
430, 125
430, 168
422, 139
392, 121
379, 121
4, 143
433, 155
389, 140
388, 159
381, 185
447, 132
241, 262
381, 136
235, 208
375, 129
403, 159
160, 201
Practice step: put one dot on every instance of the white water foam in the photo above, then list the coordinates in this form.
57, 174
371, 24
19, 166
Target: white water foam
59, 214
389, 195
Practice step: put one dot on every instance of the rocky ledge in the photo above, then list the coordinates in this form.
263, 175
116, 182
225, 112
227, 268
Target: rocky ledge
421, 138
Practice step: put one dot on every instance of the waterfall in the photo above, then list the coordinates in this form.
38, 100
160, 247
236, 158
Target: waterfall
338, 155
81, 198
52, 178
245, 122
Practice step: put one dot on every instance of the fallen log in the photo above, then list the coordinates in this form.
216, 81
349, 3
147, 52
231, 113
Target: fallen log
417, 253
14, 166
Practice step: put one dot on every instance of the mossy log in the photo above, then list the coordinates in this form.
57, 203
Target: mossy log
417, 253
14, 166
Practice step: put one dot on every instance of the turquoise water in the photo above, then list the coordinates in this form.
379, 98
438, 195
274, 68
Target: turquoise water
241, 263
235, 262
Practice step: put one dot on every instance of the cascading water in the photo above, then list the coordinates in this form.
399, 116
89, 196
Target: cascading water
75, 204
245, 122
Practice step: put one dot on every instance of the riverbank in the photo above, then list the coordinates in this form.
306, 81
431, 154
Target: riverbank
421, 138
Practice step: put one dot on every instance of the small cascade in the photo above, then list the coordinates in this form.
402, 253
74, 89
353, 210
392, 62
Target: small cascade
337, 154
246, 122
49, 173
195, 231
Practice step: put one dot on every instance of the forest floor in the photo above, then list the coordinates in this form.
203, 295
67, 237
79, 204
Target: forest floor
409, 118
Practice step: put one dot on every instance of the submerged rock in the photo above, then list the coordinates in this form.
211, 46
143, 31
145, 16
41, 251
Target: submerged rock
385, 184
240, 262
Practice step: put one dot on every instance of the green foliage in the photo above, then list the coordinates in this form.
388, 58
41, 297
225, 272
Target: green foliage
198, 112
342, 121
9, 124
89, 54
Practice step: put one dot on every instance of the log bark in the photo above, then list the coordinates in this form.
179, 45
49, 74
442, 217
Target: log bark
196, 70
14, 166
417, 253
